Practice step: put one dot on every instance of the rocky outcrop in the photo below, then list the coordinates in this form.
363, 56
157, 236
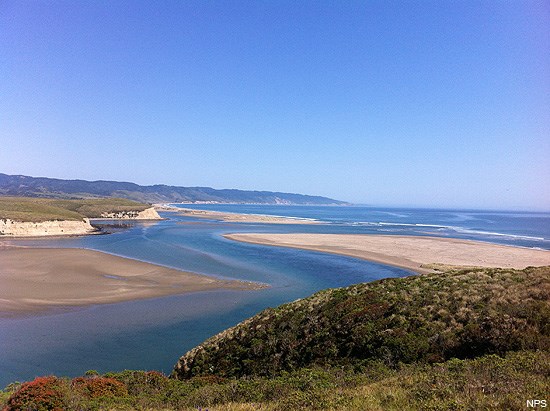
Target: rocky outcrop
147, 214
46, 228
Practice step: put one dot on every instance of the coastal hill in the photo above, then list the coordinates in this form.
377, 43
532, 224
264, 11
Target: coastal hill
43, 209
462, 339
19, 185
427, 318
30, 216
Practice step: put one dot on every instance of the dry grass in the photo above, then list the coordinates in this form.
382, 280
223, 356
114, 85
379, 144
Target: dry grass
45, 209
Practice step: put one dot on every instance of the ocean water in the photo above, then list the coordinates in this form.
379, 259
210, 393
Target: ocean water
524, 229
152, 334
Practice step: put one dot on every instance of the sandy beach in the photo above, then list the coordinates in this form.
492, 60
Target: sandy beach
36, 279
420, 254
237, 218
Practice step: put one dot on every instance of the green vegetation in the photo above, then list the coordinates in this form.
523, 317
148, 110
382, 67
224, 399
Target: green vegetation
486, 383
426, 318
43, 209
461, 340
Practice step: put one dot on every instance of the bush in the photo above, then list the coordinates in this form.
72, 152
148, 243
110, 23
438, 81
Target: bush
97, 387
427, 318
44, 393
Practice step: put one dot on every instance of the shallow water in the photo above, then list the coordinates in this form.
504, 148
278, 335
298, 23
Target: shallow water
152, 334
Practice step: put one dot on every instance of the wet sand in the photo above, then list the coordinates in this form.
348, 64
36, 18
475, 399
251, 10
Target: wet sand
420, 254
38, 279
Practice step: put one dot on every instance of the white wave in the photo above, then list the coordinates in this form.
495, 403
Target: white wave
456, 229
281, 216
382, 223
490, 233
418, 225
398, 215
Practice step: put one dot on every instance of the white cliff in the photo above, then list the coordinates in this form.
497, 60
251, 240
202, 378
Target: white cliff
46, 228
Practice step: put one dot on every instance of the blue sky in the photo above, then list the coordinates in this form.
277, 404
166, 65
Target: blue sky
397, 103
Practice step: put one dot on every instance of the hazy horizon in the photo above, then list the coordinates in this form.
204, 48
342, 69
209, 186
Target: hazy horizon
426, 104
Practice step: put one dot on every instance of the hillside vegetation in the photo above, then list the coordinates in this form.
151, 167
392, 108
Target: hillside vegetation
426, 318
486, 383
461, 340
17, 185
44, 209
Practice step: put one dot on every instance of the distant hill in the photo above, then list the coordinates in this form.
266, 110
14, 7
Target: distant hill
19, 185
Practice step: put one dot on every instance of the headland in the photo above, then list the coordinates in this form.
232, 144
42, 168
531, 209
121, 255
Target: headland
38, 217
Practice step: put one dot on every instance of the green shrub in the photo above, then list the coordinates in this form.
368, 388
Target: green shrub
96, 387
428, 318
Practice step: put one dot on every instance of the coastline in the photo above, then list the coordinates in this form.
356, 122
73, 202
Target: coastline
22, 229
35, 280
236, 217
416, 253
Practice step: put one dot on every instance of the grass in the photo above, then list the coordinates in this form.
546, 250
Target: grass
490, 383
43, 209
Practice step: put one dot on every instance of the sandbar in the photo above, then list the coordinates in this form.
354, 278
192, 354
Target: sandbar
38, 279
242, 218
420, 254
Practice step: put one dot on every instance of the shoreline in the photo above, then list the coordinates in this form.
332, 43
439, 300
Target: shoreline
416, 253
37, 280
237, 217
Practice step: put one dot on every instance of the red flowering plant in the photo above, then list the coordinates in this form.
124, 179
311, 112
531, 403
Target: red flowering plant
44, 393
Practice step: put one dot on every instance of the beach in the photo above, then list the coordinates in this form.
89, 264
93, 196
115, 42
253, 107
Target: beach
416, 253
237, 217
37, 279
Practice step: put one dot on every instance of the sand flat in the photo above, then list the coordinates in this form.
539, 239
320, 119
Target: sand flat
412, 252
239, 218
35, 279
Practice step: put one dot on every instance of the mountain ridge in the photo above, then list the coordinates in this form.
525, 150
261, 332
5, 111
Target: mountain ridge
21, 185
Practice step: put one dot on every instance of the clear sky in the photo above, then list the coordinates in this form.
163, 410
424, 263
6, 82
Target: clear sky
396, 103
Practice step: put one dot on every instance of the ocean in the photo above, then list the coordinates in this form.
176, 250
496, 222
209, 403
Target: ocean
525, 229
154, 333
